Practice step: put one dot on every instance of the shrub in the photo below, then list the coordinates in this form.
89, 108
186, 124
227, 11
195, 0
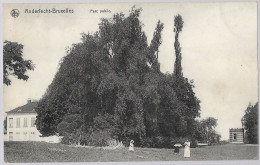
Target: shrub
69, 124
194, 143
70, 139
158, 142
146, 142
97, 138
223, 142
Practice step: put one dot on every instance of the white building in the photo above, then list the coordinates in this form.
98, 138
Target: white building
21, 125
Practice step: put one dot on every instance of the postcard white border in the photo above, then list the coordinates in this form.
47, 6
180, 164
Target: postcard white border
218, 162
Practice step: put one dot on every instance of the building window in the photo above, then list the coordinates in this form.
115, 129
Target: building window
17, 136
25, 122
10, 136
18, 123
32, 133
24, 135
235, 136
11, 122
33, 122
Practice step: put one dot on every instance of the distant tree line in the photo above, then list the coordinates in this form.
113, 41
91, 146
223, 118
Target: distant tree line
250, 124
110, 86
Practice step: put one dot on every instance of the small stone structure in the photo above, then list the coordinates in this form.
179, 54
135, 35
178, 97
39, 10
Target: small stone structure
236, 135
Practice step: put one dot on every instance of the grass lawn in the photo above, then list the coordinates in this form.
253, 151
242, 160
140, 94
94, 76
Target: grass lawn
46, 152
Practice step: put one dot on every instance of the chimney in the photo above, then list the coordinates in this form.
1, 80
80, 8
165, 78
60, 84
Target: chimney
29, 101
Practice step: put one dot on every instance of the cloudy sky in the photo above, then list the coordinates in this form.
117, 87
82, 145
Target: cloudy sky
219, 49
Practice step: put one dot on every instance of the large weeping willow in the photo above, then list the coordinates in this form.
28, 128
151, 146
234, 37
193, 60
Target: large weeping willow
109, 86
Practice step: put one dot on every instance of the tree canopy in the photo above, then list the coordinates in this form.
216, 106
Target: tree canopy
207, 128
14, 64
110, 85
5, 123
250, 123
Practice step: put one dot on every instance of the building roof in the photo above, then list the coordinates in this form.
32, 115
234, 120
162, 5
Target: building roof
27, 108
236, 129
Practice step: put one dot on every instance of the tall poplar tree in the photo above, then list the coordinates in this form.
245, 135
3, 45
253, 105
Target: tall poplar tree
190, 108
178, 25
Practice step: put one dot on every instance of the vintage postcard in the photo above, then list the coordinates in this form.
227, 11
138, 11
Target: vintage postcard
130, 82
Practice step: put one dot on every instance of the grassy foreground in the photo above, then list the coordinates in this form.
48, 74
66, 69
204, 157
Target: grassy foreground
46, 152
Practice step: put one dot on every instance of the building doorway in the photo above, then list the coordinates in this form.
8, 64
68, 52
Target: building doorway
235, 137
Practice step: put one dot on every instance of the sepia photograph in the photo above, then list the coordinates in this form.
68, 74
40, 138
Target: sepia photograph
130, 82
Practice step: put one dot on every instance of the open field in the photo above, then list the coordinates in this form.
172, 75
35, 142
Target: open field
46, 152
